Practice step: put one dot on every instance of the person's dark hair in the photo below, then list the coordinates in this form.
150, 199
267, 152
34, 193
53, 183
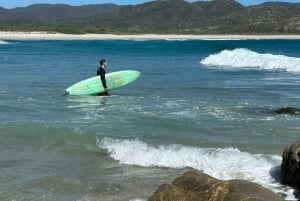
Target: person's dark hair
102, 61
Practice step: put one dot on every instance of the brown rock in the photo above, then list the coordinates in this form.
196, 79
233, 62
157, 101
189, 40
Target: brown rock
197, 186
290, 166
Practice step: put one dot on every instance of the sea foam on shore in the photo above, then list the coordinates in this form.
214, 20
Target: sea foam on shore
225, 164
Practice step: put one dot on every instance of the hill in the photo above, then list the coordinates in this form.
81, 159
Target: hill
48, 16
164, 17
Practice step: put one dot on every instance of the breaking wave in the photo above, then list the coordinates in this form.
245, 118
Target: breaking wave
227, 163
245, 58
2, 42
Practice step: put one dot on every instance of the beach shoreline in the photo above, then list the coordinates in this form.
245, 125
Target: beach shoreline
59, 36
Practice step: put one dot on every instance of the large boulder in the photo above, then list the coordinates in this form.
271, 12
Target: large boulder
197, 186
290, 166
288, 110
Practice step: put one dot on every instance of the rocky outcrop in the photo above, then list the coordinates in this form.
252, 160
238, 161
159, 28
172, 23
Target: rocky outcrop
197, 186
290, 167
288, 110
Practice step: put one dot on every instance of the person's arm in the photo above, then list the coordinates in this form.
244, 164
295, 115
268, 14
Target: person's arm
103, 80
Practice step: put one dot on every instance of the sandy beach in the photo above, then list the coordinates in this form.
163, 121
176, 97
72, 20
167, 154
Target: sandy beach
60, 36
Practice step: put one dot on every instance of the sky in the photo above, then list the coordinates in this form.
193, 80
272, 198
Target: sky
22, 3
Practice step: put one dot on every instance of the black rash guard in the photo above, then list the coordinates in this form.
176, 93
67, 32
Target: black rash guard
102, 72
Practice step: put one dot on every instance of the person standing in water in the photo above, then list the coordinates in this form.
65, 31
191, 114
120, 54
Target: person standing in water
101, 72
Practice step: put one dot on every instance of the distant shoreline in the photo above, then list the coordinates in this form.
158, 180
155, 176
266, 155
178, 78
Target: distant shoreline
59, 36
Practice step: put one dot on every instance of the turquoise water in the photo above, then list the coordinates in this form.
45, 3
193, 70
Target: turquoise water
204, 104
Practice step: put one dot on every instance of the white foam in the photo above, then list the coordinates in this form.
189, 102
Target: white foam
140, 40
223, 39
228, 163
171, 104
176, 39
245, 58
2, 42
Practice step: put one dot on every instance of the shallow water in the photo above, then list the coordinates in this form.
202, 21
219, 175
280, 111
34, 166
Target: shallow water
201, 104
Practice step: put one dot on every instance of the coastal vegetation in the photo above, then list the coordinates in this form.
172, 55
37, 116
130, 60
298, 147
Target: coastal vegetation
160, 17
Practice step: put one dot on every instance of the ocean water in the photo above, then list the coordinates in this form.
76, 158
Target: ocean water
202, 104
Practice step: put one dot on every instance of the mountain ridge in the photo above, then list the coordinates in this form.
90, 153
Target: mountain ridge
162, 17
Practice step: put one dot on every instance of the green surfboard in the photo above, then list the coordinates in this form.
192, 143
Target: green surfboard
93, 85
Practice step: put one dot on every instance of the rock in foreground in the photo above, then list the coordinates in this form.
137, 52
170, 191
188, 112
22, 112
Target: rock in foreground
290, 167
197, 186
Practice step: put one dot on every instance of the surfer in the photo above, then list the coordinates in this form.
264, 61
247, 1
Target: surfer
101, 72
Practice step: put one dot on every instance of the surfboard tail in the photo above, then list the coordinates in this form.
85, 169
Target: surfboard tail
66, 93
